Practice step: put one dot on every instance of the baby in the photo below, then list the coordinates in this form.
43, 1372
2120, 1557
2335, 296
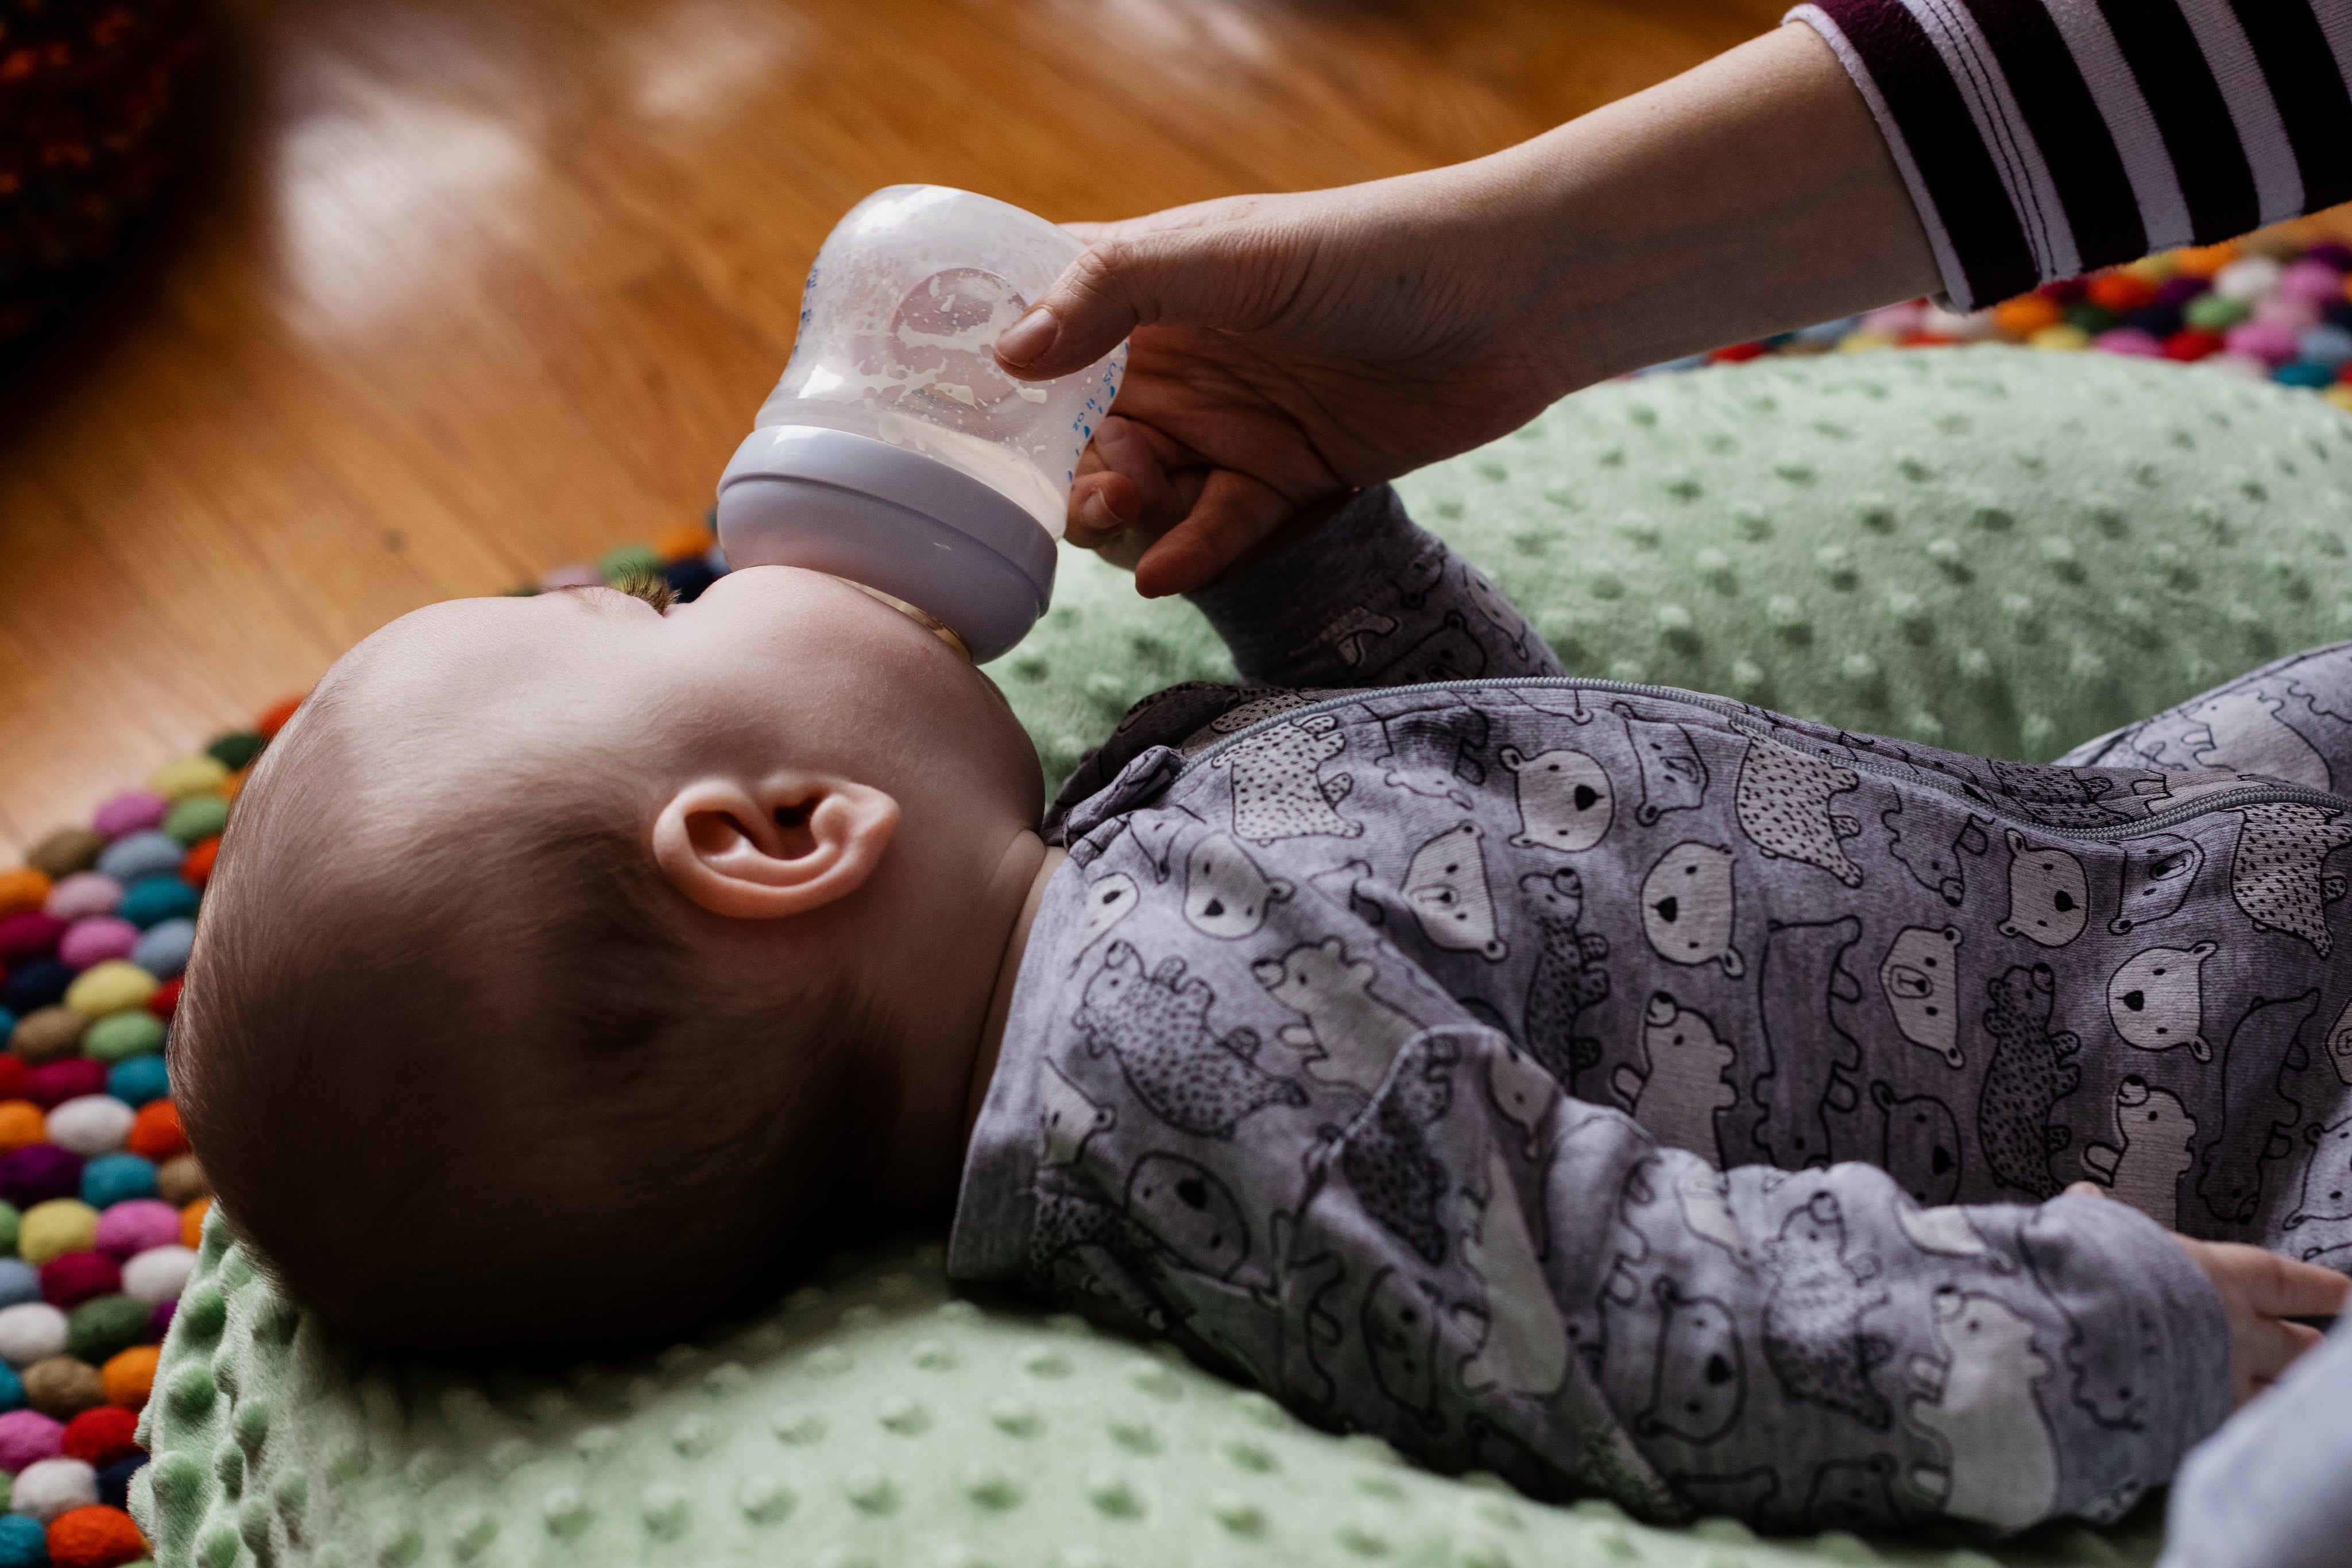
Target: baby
1627, 1091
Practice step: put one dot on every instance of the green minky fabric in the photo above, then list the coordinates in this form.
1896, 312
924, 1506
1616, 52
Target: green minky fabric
870, 1421
1996, 549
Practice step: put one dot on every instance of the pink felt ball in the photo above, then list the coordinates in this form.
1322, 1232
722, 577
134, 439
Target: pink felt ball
129, 812
28, 934
2268, 341
95, 940
2295, 315
81, 895
2313, 282
26, 1437
2129, 340
135, 1225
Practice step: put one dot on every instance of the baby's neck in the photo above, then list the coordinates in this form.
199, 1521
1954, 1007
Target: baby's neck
1000, 1004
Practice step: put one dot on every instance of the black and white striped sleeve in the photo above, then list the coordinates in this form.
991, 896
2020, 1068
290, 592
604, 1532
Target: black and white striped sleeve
2044, 138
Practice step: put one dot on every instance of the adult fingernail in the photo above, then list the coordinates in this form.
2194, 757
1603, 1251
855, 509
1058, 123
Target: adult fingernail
1028, 339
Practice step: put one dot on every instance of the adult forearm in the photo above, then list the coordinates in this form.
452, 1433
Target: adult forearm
1750, 195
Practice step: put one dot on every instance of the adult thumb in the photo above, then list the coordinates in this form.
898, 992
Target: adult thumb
1116, 285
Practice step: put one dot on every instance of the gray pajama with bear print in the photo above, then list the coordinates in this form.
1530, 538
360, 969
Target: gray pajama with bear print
1638, 1092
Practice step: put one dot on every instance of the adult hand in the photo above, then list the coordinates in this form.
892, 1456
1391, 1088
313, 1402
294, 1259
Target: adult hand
1288, 348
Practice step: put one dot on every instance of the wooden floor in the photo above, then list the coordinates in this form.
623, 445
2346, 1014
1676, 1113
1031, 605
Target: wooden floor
457, 289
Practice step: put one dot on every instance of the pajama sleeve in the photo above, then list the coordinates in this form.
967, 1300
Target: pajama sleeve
2044, 138
1369, 599
1591, 1311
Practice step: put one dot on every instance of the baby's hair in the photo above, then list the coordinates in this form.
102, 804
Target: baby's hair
482, 1029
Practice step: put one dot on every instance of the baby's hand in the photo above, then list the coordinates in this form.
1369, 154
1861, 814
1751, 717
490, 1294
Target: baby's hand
2259, 1291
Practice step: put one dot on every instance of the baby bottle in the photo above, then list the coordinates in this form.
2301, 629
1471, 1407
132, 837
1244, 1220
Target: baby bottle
894, 452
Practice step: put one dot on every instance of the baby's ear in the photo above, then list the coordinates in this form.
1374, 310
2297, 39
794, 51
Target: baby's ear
771, 848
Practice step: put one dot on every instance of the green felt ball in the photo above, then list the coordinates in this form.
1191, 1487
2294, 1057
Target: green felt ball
629, 561
2217, 312
197, 817
104, 1327
236, 749
11, 1220
118, 1036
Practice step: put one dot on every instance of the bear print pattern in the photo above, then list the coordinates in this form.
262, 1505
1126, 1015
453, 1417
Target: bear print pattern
1936, 863
2049, 898
1279, 791
2157, 999
1786, 805
1684, 1078
1467, 1194
1158, 1027
1920, 978
1569, 979
1814, 1335
2032, 1069
2154, 1135
1811, 1057
1672, 774
2158, 872
1566, 801
1226, 895
1351, 1035
1687, 907
2263, 1070
2278, 872
1979, 1401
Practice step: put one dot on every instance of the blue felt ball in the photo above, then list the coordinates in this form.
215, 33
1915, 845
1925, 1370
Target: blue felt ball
143, 854
111, 1178
2339, 311
31, 986
12, 1390
688, 578
19, 1282
2303, 373
114, 1481
2325, 344
157, 899
23, 1542
139, 1079
7, 1024
2160, 322
163, 949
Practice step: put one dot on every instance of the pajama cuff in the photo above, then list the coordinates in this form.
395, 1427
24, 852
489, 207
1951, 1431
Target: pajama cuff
2154, 1297
1269, 614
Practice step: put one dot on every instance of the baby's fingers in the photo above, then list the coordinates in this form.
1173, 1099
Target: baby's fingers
2281, 1287
1232, 514
2265, 1353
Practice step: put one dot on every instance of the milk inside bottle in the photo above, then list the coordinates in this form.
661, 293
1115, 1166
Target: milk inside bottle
894, 452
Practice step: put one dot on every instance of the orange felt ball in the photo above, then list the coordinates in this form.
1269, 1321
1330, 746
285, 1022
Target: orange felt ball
2026, 315
21, 1122
156, 1133
197, 869
128, 1375
273, 718
2205, 260
23, 888
682, 541
2121, 292
192, 1222
95, 1536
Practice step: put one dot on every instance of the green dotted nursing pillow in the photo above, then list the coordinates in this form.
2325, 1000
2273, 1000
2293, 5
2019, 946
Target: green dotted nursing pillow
1995, 550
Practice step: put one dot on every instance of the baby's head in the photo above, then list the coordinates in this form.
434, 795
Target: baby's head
576, 966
